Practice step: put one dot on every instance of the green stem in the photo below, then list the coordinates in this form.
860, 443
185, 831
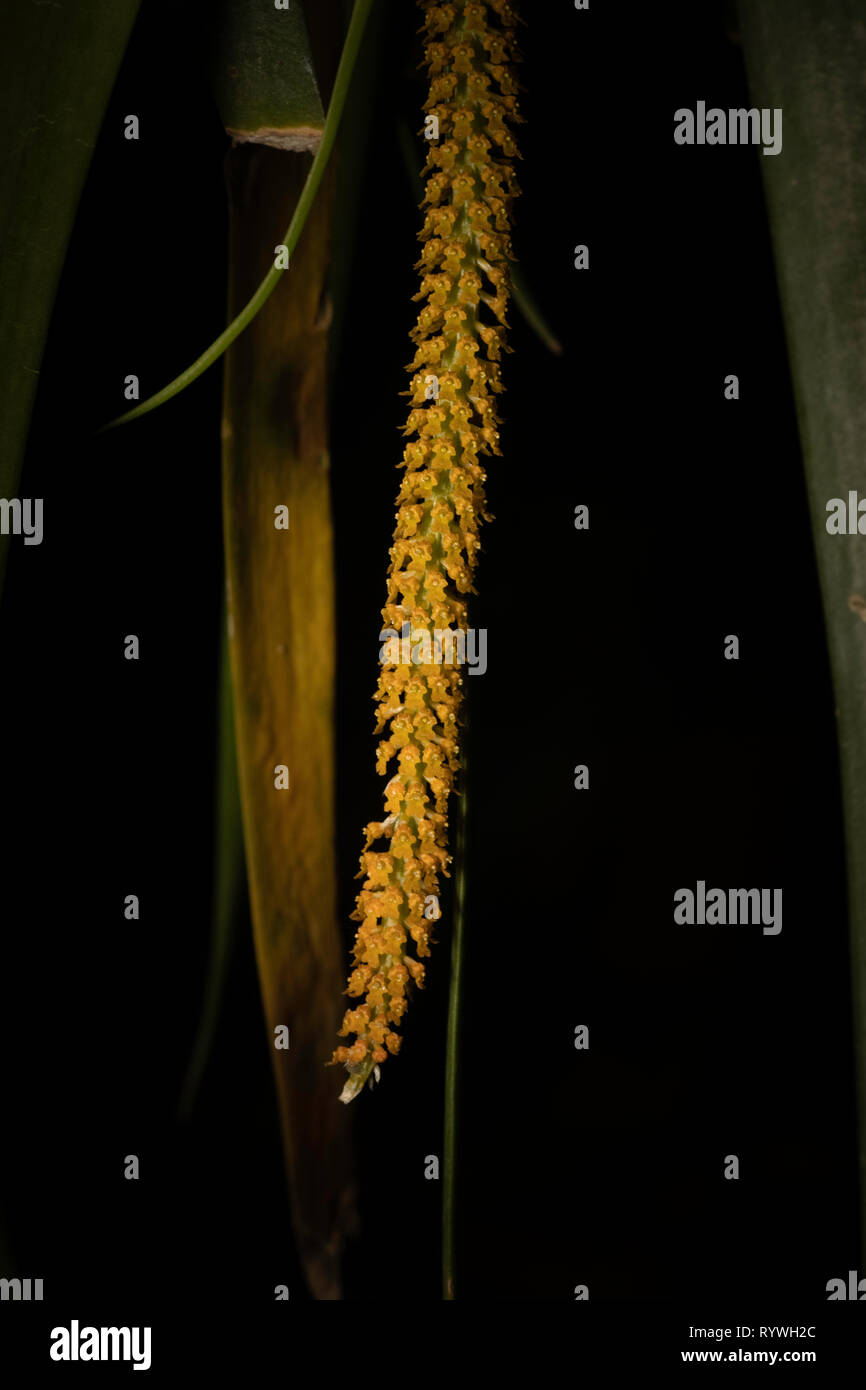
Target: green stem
290, 240
452, 1046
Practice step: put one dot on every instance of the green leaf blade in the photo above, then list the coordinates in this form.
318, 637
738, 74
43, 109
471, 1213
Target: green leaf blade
58, 64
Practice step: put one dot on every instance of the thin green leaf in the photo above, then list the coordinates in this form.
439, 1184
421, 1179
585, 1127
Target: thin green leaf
228, 885
290, 240
527, 305
452, 1046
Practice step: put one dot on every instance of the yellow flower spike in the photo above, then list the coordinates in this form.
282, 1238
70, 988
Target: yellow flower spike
458, 337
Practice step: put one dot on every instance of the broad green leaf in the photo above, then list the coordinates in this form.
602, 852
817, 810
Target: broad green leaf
809, 59
58, 63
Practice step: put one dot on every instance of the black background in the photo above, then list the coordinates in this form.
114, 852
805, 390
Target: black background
603, 1167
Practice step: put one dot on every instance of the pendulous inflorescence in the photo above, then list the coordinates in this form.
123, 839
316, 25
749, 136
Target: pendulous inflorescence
453, 423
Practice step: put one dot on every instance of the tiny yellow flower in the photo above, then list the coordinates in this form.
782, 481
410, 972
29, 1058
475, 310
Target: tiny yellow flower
459, 336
